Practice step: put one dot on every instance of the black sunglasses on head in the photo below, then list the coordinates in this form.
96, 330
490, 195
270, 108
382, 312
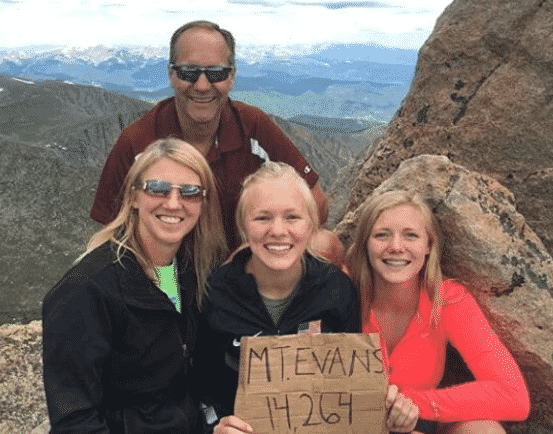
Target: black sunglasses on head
214, 74
156, 187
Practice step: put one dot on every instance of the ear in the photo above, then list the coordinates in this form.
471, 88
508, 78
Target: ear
171, 75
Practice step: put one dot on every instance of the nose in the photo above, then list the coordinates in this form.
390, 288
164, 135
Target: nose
396, 243
202, 83
173, 200
278, 227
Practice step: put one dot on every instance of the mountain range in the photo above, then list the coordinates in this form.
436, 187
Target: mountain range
341, 81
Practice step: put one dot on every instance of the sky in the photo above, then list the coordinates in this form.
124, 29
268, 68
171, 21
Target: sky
272, 24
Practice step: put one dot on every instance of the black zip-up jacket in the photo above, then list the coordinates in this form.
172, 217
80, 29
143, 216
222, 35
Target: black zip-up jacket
114, 350
234, 309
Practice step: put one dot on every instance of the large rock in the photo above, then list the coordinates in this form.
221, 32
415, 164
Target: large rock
482, 96
490, 248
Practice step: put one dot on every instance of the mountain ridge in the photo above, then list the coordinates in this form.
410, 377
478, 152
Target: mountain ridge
54, 138
332, 82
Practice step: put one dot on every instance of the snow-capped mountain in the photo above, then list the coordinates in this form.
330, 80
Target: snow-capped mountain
343, 81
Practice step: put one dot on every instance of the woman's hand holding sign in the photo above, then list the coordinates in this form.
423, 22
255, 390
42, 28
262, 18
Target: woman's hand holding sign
232, 425
402, 414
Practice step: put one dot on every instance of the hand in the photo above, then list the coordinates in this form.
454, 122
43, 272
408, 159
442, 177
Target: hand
402, 414
232, 425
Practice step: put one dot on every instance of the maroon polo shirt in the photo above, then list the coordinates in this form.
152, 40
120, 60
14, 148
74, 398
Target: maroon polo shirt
246, 138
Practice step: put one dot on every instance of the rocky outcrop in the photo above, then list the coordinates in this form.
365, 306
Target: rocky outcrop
482, 95
92, 140
44, 223
489, 247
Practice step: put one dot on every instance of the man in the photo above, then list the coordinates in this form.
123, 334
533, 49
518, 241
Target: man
234, 137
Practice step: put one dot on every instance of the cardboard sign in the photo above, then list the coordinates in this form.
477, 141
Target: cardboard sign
323, 383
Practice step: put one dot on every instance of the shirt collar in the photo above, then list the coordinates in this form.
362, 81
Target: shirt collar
229, 133
137, 289
167, 120
421, 320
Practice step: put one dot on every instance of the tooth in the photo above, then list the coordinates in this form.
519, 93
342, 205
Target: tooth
278, 248
395, 262
168, 219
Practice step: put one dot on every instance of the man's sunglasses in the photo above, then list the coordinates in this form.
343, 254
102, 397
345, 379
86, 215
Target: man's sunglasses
214, 74
159, 188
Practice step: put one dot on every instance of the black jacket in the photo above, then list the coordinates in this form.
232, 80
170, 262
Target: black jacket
114, 350
234, 309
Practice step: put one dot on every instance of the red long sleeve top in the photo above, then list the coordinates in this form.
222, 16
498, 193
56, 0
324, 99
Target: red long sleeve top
416, 364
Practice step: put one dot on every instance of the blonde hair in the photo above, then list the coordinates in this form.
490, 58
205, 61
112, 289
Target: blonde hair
271, 171
205, 245
357, 256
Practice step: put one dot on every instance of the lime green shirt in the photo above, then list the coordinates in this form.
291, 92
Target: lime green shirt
168, 283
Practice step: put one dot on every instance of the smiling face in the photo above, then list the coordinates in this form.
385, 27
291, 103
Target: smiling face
398, 245
163, 222
200, 102
277, 225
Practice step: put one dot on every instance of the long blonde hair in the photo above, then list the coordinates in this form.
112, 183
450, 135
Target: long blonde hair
205, 245
270, 171
357, 256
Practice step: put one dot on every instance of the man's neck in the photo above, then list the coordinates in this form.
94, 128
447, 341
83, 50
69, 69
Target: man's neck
202, 136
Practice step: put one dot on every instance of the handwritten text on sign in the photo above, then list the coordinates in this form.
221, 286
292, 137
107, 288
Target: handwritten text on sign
312, 384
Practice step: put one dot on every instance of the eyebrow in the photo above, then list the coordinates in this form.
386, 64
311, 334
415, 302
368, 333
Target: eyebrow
385, 228
289, 210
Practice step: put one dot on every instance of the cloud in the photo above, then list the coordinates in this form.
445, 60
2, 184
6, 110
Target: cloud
266, 23
326, 4
354, 4
257, 2
333, 5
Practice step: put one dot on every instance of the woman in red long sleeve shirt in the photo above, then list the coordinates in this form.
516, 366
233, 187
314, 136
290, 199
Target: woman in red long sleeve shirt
394, 261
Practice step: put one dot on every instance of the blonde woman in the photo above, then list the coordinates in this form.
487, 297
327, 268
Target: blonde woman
120, 325
394, 262
273, 285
